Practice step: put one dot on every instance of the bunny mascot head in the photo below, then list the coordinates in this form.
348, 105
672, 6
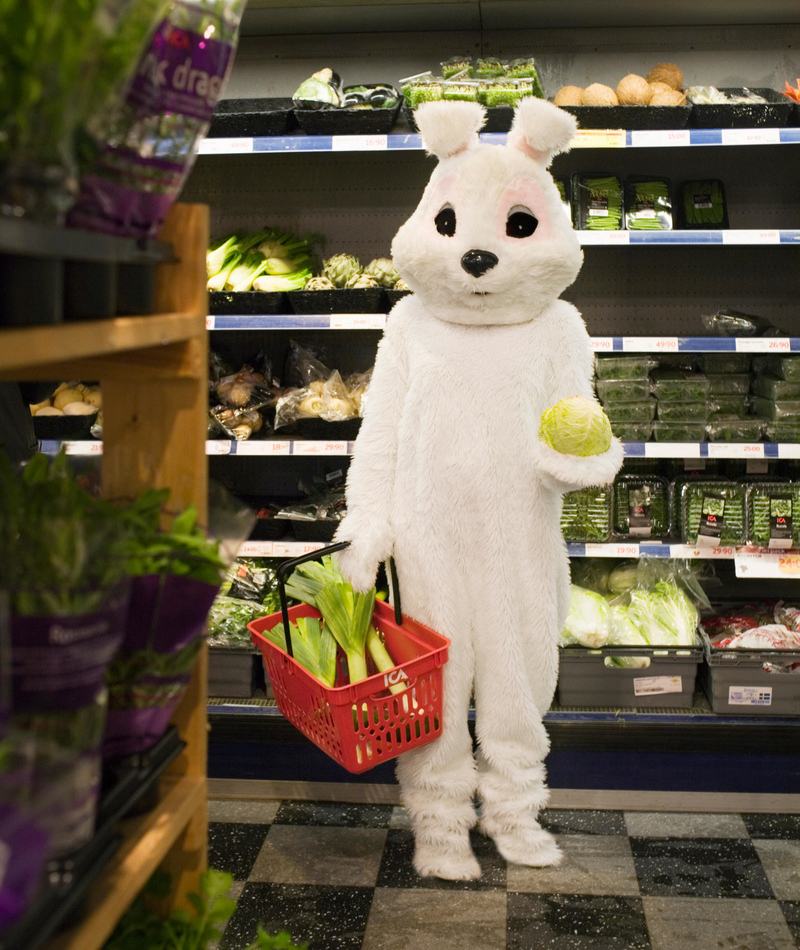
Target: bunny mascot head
449, 474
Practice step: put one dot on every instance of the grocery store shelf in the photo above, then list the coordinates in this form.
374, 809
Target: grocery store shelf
147, 841
293, 321
716, 238
586, 138
712, 450
695, 344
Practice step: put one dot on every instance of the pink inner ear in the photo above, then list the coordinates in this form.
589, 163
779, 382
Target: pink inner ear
518, 141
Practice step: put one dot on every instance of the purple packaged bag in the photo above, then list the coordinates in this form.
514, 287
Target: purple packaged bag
24, 849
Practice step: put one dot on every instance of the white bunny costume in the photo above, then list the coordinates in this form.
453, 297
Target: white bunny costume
450, 477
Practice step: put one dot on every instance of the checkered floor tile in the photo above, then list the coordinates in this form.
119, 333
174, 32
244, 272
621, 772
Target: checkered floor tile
340, 877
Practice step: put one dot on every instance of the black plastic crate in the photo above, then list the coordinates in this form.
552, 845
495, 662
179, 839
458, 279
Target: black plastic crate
636, 118
347, 121
357, 300
776, 111
321, 530
242, 118
247, 302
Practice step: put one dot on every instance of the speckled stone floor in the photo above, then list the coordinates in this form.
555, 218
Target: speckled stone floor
340, 877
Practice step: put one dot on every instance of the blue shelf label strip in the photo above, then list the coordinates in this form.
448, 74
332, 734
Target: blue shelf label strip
270, 322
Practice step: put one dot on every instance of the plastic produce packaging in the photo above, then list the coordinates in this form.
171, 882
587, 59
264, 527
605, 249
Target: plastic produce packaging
724, 363
780, 411
679, 431
143, 151
785, 431
623, 390
632, 431
774, 514
588, 619
785, 367
631, 411
683, 411
624, 367
674, 385
703, 205
648, 206
729, 384
734, 429
773, 387
598, 203
586, 514
738, 406
641, 506
713, 512
733, 323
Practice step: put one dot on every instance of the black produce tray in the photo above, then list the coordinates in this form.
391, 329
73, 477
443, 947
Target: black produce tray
247, 303
322, 530
242, 118
498, 118
635, 118
305, 429
776, 111
361, 300
270, 529
64, 428
347, 121
392, 296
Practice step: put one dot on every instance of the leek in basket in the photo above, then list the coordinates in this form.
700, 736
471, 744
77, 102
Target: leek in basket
313, 646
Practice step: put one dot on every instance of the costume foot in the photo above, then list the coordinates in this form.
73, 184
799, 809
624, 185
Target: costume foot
533, 847
454, 863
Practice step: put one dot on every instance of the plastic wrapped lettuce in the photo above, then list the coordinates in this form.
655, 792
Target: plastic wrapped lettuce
576, 426
587, 622
586, 514
624, 632
591, 573
738, 406
664, 615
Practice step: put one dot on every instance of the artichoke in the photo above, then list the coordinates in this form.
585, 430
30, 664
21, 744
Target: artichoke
318, 283
383, 270
340, 268
361, 281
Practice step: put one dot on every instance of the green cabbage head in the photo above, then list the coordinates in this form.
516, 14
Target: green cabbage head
576, 426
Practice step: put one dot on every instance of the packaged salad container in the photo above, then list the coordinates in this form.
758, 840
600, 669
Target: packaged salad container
734, 429
774, 514
586, 514
785, 367
713, 512
632, 431
624, 367
738, 406
641, 506
683, 411
679, 431
773, 387
785, 431
675, 385
729, 384
631, 411
623, 390
784, 410
724, 363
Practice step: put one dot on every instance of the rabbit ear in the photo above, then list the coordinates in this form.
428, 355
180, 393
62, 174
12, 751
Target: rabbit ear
449, 127
541, 130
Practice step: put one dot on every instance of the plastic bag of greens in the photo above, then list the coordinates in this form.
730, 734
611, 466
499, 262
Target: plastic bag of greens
664, 615
728, 322
137, 155
587, 622
624, 632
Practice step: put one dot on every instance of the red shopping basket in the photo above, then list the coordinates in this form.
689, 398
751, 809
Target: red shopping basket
362, 724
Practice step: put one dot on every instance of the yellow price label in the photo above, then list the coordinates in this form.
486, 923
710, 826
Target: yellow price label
600, 138
789, 564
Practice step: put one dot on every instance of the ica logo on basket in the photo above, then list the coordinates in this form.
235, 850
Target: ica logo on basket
393, 677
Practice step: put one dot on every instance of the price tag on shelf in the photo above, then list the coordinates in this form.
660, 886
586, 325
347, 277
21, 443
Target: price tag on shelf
238, 146
599, 138
294, 548
751, 237
83, 448
687, 551
735, 450
256, 549
359, 143
218, 447
670, 450
612, 550
602, 344
764, 344
789, 451
320, 447
660, 138
264, 447
650, 344
358, 321
775, 564
210, 321
603, 237
751, 136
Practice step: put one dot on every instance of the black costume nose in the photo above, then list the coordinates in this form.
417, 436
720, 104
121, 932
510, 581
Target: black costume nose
478, 262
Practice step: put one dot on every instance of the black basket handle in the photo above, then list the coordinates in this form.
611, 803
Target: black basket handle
285, 568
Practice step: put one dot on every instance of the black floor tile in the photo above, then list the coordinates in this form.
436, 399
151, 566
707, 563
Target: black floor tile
570, 922
699, 867
234, 847
579, 821
397, 868
791, 911
773, 826
333, 813
329, 918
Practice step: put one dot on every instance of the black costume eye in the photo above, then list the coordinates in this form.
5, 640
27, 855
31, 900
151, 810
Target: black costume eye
445, 221
520, 223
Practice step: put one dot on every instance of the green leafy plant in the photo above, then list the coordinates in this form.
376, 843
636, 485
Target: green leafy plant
140, 928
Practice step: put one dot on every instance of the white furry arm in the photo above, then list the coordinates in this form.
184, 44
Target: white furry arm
572, 374
370, 479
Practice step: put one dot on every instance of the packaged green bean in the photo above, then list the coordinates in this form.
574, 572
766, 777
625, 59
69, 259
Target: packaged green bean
702, 204
598, 203
773, 387
774, 514
586, 514
729, 384
724, 363
624, 367
648, 206
641, 506
713, 512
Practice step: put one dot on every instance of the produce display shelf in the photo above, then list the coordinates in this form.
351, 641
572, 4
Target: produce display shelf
291, 321
586, 138
340, 447
695, 344
715, 237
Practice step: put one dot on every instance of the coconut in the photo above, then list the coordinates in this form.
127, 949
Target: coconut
79, 409
599, 95
569, 96
65, 396
669, 97
659, 87
668, 73
49, 411
633, 90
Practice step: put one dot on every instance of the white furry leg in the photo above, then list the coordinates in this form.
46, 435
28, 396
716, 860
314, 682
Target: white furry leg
447, 856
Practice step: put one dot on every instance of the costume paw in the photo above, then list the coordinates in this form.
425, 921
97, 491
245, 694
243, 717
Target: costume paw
454, 863
359, 562
533, 847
